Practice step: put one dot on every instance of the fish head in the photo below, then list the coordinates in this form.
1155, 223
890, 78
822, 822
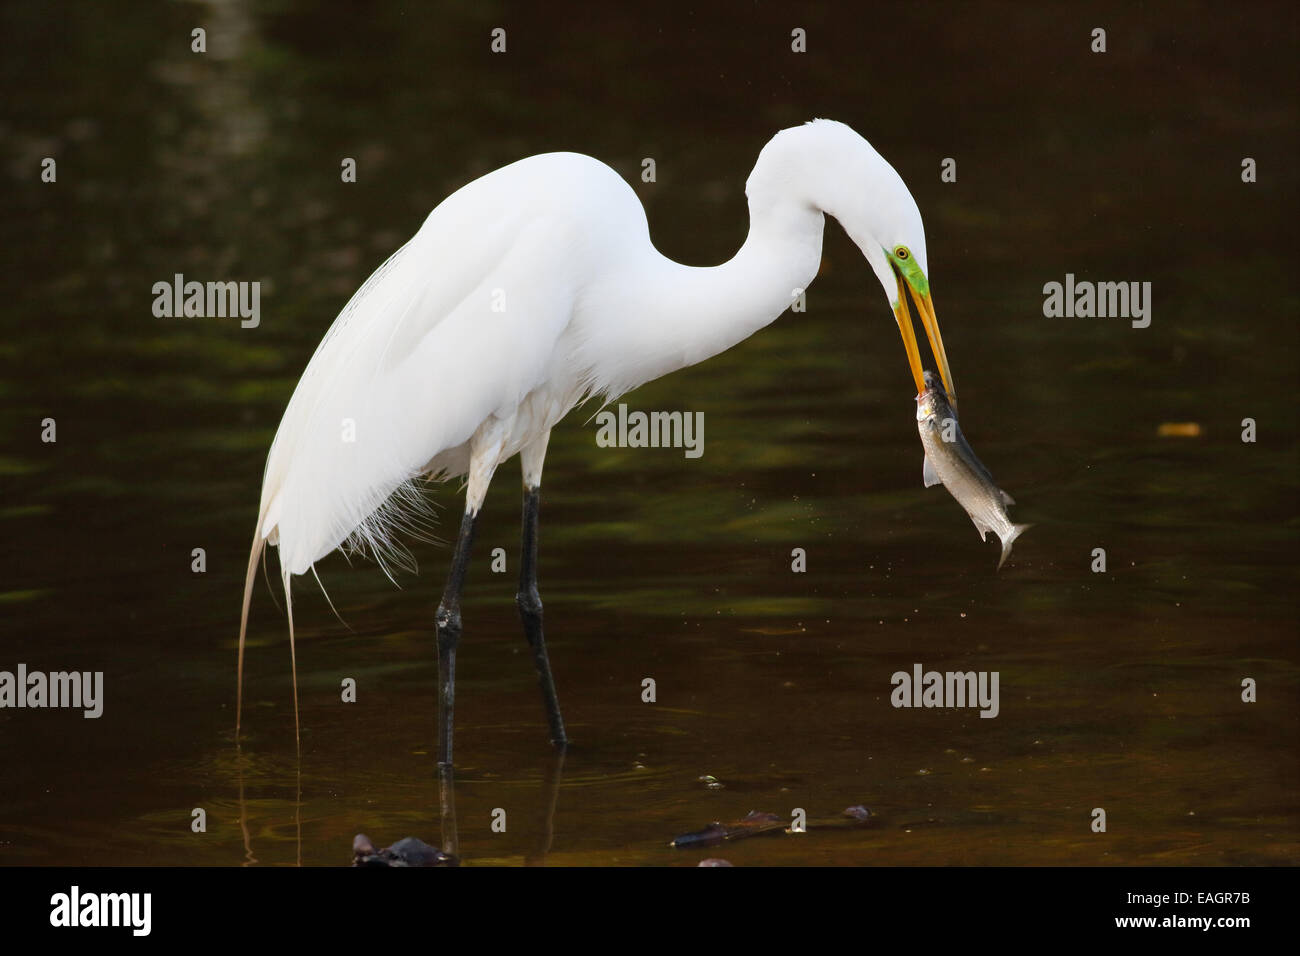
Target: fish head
929, 404
932, 401
931, 380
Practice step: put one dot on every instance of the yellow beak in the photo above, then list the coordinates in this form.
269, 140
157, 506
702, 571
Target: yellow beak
925, 307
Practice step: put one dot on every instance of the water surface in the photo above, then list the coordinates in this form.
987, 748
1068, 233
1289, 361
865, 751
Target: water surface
1118, 690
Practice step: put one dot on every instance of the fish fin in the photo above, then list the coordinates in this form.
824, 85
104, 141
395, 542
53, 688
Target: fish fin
928, 474
1006, 498
981, 527
1016, 531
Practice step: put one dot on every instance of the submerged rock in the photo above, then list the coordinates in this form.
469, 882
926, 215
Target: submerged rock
409, 851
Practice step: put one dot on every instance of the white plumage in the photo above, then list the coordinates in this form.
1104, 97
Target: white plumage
524, 292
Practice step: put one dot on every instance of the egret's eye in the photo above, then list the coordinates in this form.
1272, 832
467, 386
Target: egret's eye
901, 252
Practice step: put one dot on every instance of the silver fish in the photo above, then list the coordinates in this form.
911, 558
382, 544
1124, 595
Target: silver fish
949, 460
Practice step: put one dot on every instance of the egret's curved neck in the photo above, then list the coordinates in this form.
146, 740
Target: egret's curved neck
728, 303
688, 313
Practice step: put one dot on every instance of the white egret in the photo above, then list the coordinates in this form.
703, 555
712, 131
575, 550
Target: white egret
522, 294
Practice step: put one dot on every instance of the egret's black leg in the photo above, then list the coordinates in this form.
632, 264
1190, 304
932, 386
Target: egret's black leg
447, 803
448, 621
530, 610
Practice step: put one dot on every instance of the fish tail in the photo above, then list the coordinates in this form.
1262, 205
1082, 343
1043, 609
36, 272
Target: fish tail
1016, 531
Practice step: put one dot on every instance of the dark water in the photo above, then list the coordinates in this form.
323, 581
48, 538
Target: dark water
1119, 690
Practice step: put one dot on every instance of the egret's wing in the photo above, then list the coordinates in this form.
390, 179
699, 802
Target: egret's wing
457, 324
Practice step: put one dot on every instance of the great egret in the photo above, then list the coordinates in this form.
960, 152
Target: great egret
524, 293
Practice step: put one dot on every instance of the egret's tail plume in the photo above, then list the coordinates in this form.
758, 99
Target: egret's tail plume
293, 660
259, 546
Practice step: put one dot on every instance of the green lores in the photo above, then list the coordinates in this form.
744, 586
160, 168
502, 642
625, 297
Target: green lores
904, 263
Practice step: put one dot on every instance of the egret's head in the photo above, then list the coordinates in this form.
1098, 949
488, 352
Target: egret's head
840, 173
885, 223
906, 276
